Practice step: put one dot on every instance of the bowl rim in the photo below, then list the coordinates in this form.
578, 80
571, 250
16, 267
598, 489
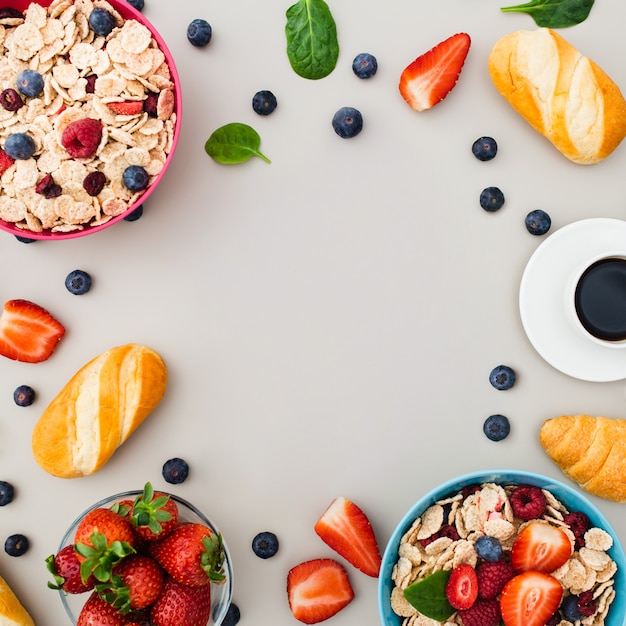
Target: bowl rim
562, 491
228, 585
127, 11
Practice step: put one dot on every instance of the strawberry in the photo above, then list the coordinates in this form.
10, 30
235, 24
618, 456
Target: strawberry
5, 161
98, 612
462, 587
65, 568
317, 590
181, 604
347, 530
28, 332
154, 514
540, 547
127, 107
191, 553
530, 599
429, 79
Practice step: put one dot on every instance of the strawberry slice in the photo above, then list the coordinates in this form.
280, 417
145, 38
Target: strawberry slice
317, 590
127, 107
530, 599
5, 161
347, 530
462, 587
431, 77
540, 547
28, 332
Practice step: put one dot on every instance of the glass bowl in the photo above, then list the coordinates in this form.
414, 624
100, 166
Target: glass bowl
126, 11
572, 499
221, 595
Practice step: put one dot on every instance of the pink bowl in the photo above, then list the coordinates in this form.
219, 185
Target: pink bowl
127, 11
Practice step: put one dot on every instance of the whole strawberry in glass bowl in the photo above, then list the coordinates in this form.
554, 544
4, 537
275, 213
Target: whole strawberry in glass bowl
143, 558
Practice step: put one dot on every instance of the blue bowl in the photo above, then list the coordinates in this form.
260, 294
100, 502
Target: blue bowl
572, 499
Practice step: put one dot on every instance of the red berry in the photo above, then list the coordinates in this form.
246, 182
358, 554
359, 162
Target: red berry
11, 100
586, 604
5, 161
81, 138
481, 613
528, 502
462, 587
93, 183
492, 577
579, 524
48, 188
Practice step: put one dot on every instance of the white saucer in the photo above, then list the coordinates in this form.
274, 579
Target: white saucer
542, 299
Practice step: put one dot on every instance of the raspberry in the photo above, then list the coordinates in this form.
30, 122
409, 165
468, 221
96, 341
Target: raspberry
528, 502
481, 613
93, 183
492, 577
81, 138
579, 525
11, 100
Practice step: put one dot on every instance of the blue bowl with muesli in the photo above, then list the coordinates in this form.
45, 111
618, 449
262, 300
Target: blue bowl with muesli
440, 531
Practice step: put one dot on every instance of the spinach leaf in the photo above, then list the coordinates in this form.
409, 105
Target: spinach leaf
554, 13
234, 143
311, 32
428, 596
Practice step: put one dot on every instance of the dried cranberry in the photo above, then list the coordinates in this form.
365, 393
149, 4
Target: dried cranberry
555, 620
586, 604
11, 100
578, 523
449, 531
90, 87
48, 188
150, 104
94, 182
469, 490
10, 12
528, 502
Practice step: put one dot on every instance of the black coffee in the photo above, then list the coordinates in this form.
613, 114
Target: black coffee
600, 299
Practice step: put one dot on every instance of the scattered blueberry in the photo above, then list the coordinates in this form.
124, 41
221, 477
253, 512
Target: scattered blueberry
29, 83
16, 545
502, 377
497, 427
538, 222
485, 148
199, 33
6, 492
488, 548
78, 282
264, 102
233, 615
570, 609
491, 199
135, 177
25, 239
19, 146
348, 122
101, 21
364, 65
24, 395
265, 545
135, 214
137, 4
175, 471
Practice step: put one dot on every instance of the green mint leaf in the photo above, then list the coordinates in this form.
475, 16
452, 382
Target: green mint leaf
428, 596
311, 32
554, 13
234, 143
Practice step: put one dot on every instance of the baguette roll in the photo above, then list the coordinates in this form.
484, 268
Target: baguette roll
12, 613
591, 451
97, 410
562, 94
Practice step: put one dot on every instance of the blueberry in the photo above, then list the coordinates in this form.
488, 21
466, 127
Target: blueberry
19, 146
199, 33
29, 83
502, 377
6, 492
233, 615
485, 148
16, 545
175, 471
264, 102
25, 239
24, 395
78, 282
135, 214
101, 22
137, 4
135, 177
364, 65
348, 122
265, 545
488, 548
497, 427
570, 609
491, 199
538, 222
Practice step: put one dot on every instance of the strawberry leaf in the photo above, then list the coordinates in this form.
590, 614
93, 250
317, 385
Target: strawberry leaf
428, 596
212, 558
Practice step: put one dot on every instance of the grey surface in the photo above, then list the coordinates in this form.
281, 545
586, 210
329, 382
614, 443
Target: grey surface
329, 321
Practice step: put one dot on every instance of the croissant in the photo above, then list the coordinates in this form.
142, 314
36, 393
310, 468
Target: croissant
591, 451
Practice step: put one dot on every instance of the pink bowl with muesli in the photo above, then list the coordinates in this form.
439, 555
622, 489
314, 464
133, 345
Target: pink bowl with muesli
101, 132
440, 531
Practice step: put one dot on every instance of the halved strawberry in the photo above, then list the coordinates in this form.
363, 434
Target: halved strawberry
126, 107
462, 587
530, 599
429, 79
28, 332
540, 547
347, 530
317, 590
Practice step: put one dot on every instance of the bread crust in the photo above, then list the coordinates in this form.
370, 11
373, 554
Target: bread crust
98, 409
562, 94
12, 613
589, 450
